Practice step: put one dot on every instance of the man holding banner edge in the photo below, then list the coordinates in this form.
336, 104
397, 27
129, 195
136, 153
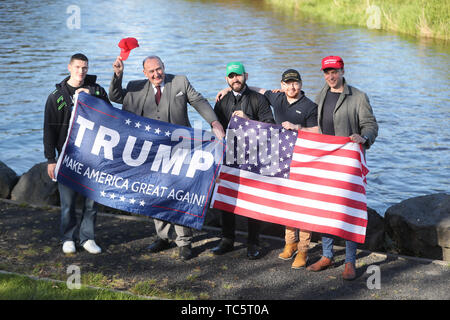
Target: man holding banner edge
57, 115
344, 111
247, 104
163, 97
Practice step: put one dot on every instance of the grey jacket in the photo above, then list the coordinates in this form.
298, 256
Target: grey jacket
139, 98
353, 114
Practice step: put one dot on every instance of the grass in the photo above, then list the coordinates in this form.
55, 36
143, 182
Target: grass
153, 289
419, 18
15, 287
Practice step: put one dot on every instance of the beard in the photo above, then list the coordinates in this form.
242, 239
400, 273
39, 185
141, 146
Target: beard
237, 85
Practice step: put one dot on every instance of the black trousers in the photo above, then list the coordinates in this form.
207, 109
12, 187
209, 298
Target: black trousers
229, 227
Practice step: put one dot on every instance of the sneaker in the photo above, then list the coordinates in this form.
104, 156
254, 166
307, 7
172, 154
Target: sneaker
91, 247
69, 247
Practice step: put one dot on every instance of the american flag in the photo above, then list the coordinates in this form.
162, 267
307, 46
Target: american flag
299, 179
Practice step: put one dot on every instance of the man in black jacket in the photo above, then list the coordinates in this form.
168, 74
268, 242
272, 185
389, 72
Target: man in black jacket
58, 110
249, 104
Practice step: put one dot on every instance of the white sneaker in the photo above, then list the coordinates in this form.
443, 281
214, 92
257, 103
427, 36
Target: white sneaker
91, 247
69, 247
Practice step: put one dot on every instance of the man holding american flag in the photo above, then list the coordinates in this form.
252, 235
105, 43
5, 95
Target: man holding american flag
305, 180
294, 111
344, 111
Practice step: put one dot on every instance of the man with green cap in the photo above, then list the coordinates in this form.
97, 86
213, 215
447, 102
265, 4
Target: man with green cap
243, 102
294, 111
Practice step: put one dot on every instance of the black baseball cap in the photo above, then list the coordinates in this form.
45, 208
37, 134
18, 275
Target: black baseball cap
291, 74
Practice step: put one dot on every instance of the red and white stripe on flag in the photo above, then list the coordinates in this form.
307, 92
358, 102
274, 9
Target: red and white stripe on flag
325, 191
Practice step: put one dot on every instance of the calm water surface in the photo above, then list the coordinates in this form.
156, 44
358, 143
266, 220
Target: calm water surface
407, 80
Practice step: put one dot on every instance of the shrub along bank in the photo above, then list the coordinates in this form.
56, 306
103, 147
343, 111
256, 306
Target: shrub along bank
420, 18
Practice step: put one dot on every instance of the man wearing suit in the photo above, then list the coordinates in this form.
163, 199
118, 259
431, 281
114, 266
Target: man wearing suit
163, 97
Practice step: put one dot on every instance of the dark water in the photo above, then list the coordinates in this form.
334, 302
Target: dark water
406, 79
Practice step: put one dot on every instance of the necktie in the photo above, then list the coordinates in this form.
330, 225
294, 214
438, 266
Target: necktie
158, 94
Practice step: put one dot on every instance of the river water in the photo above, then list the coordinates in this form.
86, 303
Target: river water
406, 79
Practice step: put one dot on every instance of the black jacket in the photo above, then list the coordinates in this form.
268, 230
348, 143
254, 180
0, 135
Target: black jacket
252, 103
58, 110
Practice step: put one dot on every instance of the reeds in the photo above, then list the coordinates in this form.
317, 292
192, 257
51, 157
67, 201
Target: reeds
419, 18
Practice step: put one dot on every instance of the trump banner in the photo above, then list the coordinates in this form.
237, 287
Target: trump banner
139, 165
298, 179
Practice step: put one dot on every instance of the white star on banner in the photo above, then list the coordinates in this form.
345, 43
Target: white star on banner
132, 201
137, 125
142, 203
167, 133
103, 194
147, 128
128, 121
122, 198
157, 131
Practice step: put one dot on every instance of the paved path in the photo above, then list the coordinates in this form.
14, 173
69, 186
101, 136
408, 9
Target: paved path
29, 245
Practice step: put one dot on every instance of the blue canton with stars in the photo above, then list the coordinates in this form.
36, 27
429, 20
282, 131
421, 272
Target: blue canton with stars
259, 147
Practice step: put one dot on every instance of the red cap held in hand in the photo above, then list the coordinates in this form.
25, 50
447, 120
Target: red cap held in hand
126, 45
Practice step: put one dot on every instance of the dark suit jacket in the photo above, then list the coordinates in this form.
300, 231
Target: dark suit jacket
139, 98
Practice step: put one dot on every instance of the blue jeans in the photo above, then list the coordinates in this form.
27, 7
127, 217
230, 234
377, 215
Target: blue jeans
69, 223
350, 249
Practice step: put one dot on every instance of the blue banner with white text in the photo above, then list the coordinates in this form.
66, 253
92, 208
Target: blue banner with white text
139, 165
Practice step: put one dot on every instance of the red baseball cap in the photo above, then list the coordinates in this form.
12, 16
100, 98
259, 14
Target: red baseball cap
333, 62
126, 45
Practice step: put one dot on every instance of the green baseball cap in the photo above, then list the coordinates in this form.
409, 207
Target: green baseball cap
235, 67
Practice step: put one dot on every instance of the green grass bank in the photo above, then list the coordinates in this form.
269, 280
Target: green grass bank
419, 18
17, 287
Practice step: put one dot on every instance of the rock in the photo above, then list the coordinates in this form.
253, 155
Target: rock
420, 226
35, 187
8, 179
375, 232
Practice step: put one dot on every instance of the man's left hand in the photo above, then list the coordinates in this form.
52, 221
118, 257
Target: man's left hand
357, 138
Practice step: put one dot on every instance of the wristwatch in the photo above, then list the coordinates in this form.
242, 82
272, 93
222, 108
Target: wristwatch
365, 137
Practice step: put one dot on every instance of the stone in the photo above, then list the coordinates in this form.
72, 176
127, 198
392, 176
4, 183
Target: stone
375, 232
8, 179
36, 187
420, 226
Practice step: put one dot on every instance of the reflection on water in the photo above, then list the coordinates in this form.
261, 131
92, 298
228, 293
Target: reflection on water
406, 79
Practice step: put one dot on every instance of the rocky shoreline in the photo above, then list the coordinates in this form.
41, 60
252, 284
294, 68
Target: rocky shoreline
418, 227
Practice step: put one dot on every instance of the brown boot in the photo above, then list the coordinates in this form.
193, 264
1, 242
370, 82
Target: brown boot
300, 260
289, 251
322, 264
349, 271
